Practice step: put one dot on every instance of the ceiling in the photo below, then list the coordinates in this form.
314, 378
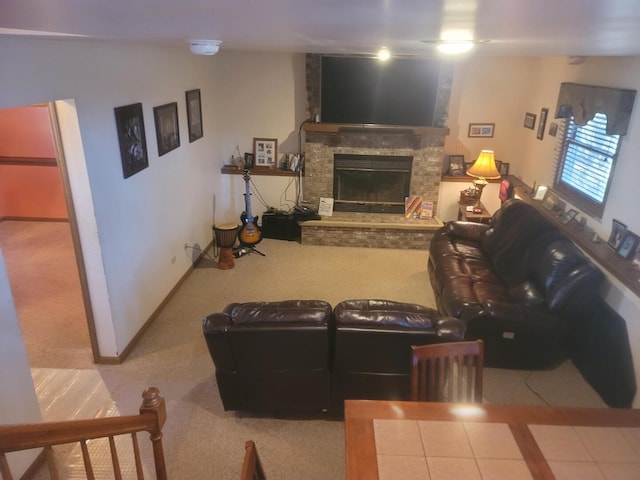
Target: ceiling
514, 27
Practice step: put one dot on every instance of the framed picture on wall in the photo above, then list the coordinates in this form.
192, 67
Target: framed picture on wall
194, 114
628, 245
456, 165
132, 139
265, 151
167, 129
618, 229
542, 123
529, 120
482, 130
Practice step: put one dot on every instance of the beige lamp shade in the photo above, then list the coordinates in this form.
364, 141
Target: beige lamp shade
484, 166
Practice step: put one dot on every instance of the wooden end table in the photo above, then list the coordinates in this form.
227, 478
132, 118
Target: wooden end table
484, 217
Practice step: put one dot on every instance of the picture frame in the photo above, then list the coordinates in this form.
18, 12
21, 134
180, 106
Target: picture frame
194, 114
503, 168
553, 129
618, 229
167, 127
132, 138
628, 245
248, 160
481, 130
550, 200
456, 165
529, 120
558, 208
636, 258
467, 166
542, 124
568, 216
265, 152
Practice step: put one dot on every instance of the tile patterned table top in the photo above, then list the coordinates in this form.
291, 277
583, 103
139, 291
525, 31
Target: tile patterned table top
437, 450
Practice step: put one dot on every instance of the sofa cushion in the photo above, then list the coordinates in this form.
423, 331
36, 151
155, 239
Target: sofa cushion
385, 313
282, 312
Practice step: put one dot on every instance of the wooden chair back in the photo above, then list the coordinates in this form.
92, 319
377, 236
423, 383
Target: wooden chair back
251, 467
447, 372
45, 435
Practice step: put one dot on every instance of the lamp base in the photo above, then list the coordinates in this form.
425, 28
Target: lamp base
479, 183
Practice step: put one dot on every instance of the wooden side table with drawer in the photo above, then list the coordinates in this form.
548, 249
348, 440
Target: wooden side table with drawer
463, 214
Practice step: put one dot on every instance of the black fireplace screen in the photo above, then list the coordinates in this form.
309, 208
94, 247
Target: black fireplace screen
371, 183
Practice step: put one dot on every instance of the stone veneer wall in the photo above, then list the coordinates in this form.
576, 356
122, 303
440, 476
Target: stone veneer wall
426, 149
424, 144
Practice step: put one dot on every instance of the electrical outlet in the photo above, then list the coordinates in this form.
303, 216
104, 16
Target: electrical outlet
173, 259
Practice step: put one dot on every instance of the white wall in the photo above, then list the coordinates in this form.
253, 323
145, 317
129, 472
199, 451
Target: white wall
260, 95
18, 401
141, 222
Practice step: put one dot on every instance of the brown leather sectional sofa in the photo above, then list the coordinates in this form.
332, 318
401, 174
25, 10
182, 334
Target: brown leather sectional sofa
304, 356
522, 286
519, 284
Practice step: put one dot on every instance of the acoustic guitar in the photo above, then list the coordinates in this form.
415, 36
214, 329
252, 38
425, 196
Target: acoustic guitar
249, 234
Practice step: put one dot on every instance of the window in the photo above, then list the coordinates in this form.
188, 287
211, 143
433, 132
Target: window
586, 164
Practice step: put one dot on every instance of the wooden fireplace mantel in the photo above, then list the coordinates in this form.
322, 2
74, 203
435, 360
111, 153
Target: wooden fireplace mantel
373, 128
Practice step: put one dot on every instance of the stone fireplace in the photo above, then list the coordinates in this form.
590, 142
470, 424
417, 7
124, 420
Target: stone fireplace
402, 160
413, 153
418, 151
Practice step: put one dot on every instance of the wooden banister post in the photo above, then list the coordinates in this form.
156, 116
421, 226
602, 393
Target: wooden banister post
154, 404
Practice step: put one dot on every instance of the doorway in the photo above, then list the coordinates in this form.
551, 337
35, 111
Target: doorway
38, 241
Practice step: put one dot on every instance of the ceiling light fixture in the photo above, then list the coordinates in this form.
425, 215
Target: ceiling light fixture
454, 47
204, 47
448, 45
384, 54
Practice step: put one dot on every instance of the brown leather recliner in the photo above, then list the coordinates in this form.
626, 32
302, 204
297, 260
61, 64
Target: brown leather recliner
372, 347
299, 356
272, 356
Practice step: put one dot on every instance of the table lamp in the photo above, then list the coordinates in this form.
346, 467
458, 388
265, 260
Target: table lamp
483, 168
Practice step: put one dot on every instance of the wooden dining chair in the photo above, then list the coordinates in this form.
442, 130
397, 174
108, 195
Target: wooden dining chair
447, 372
251, 467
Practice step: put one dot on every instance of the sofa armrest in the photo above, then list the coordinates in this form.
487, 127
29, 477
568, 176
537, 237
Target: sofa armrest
216, 333
516, 317
468, 230
450, 329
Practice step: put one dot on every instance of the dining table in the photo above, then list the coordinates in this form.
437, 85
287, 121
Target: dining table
387, 440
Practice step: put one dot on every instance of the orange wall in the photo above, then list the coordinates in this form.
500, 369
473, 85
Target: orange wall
26, 190
26, 132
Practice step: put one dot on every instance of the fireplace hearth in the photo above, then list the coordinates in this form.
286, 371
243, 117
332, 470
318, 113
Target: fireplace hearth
371, 183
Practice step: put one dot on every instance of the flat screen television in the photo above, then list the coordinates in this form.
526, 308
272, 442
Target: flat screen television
360, 90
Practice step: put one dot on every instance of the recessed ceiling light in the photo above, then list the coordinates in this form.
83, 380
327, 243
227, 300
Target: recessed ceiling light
384, 54
454, 47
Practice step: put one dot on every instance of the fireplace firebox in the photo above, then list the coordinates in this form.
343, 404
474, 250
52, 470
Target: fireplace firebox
371, 183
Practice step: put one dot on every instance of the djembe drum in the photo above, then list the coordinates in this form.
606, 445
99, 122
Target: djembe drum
226, 234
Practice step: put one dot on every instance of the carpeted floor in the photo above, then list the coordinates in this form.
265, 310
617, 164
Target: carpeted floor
43, 275
201, 440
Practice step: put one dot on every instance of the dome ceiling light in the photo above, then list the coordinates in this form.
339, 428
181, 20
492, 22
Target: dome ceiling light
204, 47
453, 47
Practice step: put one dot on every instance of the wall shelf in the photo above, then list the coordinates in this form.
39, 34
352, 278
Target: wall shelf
621, 268
268, 172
